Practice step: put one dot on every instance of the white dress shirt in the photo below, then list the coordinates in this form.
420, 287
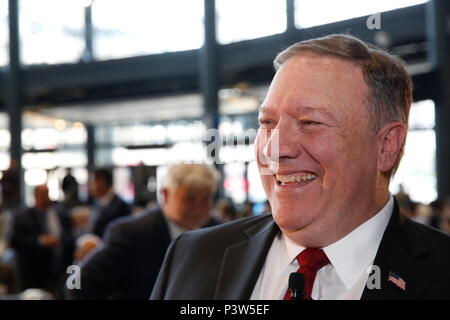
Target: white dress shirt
344, 278
174, 229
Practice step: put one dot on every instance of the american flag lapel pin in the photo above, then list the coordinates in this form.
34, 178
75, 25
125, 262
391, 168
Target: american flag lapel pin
395, 279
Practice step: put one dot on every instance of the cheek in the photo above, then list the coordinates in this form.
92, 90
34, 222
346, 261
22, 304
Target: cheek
336, 156
261, 140
345, 161
178, 208
267, 182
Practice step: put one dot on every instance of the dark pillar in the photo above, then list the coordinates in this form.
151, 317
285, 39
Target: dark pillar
90, 147
290, 16
14, 100
439, 55
210, 80
88, 34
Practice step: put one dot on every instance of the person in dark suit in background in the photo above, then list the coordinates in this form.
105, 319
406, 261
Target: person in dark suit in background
126, 266
42, 239
108, 205
69, 186
332, 130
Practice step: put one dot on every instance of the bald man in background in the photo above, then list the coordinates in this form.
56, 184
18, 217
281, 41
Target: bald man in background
42, 238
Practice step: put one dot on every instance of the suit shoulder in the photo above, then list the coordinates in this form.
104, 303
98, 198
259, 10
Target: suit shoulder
23, 214
118, 201
130, 222
133, 224
435, 238
227, 233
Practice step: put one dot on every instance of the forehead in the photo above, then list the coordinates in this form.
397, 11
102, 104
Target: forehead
192, 189
309, 80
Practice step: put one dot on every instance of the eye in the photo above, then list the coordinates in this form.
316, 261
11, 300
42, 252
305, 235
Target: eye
309, 122
264, 122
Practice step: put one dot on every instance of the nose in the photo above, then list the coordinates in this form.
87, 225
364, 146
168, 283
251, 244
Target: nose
283, 141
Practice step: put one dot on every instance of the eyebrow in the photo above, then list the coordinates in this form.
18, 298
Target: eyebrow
305, 109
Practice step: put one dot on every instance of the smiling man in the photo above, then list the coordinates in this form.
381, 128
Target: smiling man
332, 131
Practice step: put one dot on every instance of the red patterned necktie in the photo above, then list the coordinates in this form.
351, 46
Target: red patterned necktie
310, 261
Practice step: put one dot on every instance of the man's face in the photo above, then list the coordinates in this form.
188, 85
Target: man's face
41, 197
188, 206
98, 187
326, 166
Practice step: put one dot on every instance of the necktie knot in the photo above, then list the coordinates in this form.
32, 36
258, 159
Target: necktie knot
313, 259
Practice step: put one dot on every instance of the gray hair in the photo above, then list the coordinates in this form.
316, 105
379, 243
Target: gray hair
390, 86
198, 175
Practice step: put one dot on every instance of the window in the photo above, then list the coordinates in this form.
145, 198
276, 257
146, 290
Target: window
241, 20
316, 12
4, 37
52, 31
140, 27
417, 172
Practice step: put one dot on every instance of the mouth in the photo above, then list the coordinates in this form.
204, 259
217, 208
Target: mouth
295, 179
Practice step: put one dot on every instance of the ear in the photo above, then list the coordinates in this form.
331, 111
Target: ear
391, 139
165, 194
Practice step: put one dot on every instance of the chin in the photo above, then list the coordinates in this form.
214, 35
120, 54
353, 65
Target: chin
288, 219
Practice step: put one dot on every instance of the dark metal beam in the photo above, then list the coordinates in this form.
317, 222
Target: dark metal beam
90, 147
88, 54
438, 13
161, 74
290, 15
163, 71
14, 98
209, 80
209, 66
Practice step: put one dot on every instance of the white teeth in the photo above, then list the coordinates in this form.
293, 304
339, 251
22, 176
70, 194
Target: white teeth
293, 178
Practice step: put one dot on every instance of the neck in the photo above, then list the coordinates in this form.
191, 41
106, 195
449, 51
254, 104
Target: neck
324, 233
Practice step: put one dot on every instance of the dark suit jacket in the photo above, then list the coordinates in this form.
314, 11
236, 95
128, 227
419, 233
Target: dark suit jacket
224, 262
116, 208
127, 265
37, 264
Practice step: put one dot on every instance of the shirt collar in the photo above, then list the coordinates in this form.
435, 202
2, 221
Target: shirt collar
174, 229
353, 254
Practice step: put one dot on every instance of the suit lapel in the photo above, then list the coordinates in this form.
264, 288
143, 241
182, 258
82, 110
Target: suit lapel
401, 252
160, 226
243, 262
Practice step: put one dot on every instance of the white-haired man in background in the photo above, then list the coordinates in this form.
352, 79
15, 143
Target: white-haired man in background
127, 264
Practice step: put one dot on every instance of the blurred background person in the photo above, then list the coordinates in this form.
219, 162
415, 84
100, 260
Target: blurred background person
127, 265
247, 210
9, 187
267, 209
444, 221
84, 245
405, 203
8, 273
91, 223
436, 213
69, 186
42, 239
226, 210
107, 204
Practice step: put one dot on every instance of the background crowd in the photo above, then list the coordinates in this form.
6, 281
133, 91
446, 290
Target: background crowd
118, 245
